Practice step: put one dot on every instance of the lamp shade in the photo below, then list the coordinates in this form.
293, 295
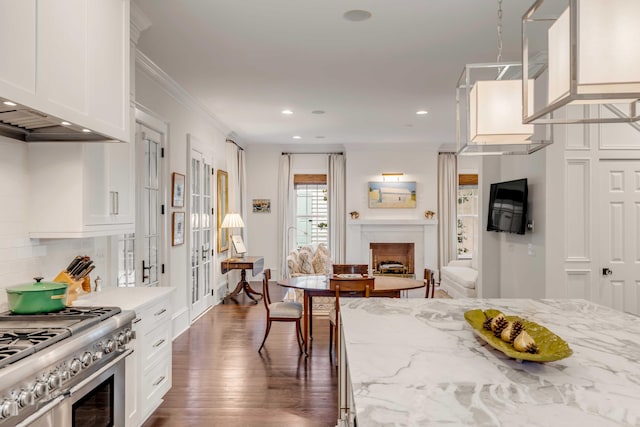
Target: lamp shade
495, 112
592, 58
489, 112
232, 220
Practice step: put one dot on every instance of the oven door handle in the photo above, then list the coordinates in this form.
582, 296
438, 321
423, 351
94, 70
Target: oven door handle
46, 408
106, 367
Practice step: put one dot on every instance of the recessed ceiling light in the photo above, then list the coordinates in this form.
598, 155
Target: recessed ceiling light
357, 15
287, 112
422, 112
65, 123
408, 125
9, 103
320, 137
86, 131
318, 112
297, 137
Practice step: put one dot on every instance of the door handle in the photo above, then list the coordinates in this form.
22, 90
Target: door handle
606, 271
144, 273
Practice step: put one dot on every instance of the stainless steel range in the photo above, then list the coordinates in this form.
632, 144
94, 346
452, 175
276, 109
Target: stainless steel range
64, 368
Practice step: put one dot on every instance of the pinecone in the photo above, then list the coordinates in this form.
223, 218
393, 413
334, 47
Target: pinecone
498, 325
516, 328
487, 323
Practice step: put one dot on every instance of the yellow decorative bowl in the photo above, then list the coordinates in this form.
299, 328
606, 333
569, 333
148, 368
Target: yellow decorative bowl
550, 346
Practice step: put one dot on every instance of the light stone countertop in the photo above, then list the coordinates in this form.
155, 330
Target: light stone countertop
416, 362
125, 298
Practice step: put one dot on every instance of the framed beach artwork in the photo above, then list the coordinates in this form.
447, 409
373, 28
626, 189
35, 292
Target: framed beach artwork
392, 195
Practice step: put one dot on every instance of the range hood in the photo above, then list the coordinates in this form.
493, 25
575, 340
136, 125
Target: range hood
29, 125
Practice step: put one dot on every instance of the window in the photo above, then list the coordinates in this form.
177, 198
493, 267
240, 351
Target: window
312, 218
467, 214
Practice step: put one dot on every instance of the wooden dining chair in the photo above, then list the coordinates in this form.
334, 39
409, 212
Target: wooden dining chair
282, 311
345, 288
350, 268
429, 282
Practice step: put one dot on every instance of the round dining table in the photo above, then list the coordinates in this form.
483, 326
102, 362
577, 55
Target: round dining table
319, 285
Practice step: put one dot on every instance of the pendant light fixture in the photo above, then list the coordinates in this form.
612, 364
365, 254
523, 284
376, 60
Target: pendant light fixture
591, 60
489, 109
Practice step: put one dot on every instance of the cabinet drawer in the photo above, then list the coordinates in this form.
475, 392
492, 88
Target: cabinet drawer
154, 316
155, 383
156, 342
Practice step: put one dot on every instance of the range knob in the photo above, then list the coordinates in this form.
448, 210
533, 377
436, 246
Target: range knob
86, 359
26, 398
75, 366
122, 339
40, 389
110, 346
64, 375
129, 334
9, 408
97, 355
54, 381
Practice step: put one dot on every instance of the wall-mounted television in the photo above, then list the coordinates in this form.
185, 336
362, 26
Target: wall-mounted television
508, 206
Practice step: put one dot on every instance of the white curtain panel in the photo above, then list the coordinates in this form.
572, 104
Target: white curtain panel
242, 186
447, 207
286, 210
337, 208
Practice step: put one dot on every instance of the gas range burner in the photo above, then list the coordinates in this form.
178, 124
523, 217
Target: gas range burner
18, 343
98, 313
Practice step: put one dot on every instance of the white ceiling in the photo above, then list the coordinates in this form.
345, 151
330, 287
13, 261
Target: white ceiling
246, 61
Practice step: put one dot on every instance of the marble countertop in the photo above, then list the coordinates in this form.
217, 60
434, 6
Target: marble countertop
126, 298
415, 362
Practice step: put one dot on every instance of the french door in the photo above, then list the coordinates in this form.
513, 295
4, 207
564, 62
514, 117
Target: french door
200, 230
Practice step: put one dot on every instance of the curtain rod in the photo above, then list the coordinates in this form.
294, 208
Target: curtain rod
285, 153
235, 143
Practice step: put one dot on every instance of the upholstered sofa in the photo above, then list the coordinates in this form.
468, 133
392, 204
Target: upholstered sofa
459, 279
309, 259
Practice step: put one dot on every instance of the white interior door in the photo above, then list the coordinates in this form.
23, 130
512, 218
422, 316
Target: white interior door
201, 232
149, 229
620, 234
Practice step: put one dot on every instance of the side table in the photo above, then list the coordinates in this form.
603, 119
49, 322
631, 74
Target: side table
253, 263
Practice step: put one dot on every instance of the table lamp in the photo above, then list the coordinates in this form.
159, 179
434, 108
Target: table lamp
234, 220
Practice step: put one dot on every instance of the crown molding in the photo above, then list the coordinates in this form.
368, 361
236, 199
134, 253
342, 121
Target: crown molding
139, 22
173, 88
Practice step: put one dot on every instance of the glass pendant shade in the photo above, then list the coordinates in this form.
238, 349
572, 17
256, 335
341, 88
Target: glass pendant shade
592, 58
489, 112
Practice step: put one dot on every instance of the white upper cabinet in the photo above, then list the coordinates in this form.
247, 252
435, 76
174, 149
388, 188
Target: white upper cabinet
70, 59
81, 190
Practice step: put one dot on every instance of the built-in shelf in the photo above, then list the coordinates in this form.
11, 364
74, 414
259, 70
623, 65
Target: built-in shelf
397, 221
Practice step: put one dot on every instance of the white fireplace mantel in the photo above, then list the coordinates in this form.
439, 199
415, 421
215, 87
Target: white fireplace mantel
422, 232
392, 221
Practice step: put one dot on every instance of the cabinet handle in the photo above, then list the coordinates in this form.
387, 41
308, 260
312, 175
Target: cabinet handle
112, 197
160, 312
136, 320
159, 343
117, 207
159, 380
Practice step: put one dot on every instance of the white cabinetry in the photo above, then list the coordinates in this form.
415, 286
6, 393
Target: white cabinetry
148, 369
68, 58
81, 189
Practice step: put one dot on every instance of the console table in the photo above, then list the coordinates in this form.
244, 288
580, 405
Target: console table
253, 263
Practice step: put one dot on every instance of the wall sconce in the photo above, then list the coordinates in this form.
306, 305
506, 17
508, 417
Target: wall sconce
391, 176
591, 57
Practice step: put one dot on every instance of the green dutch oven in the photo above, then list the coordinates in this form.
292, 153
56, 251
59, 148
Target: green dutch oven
38, 297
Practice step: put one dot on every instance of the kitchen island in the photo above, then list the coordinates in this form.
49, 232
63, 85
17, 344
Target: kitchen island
415, 362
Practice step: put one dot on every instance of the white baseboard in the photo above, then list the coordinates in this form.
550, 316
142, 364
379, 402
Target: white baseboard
180, 322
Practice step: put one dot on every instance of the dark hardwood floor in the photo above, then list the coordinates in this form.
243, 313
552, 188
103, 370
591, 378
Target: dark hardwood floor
220, 379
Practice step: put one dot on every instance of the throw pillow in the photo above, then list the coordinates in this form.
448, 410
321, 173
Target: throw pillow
306, 267
292, 265
320, 261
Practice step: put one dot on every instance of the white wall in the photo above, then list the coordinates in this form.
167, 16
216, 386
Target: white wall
159, 97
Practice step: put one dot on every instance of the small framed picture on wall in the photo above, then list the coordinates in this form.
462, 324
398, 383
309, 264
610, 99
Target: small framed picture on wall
177, 190
177, 229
